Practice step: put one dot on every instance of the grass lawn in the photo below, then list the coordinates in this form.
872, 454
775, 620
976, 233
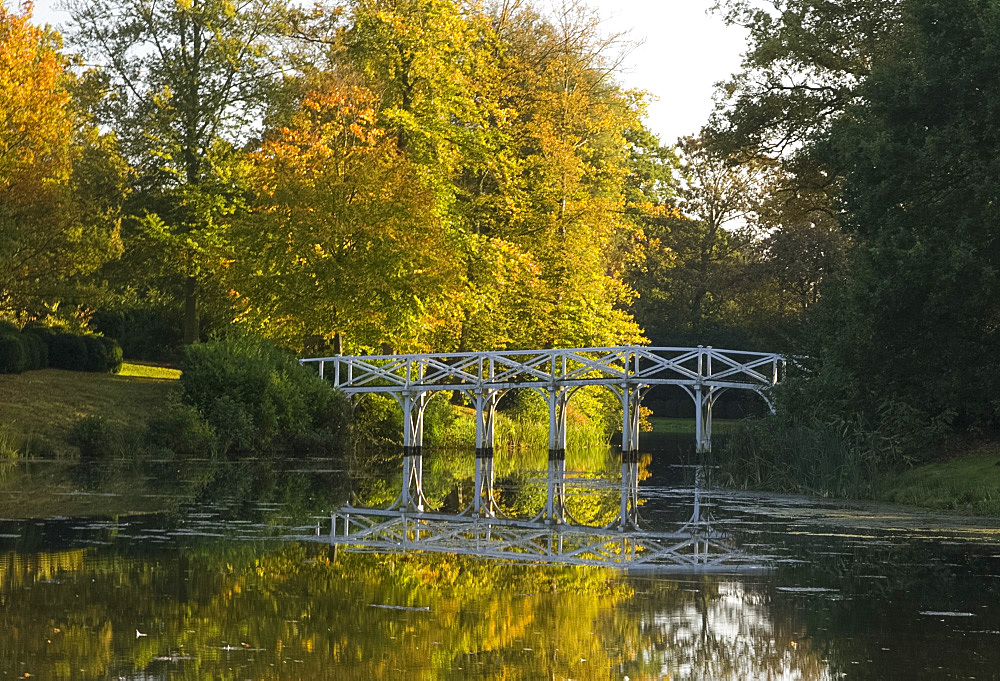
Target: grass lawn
970, 484
41, 406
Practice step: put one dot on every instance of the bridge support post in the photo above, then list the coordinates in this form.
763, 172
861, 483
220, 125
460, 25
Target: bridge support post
412, 495
483, 502
631, 401
704, 399
555, 497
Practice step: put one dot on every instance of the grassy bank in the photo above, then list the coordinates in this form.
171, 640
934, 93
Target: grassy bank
851, 463
968, 484
38, 408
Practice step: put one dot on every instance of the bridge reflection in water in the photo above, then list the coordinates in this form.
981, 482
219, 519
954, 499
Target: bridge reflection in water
696, 545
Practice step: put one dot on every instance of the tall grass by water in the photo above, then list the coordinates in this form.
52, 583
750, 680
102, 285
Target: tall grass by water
847, 461
814, 458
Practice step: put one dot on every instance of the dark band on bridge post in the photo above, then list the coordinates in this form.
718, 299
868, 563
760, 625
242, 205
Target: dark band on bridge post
484, 452
630, 456
557, 455
413, 450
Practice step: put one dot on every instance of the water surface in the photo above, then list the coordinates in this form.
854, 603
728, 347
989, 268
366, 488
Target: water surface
213, 570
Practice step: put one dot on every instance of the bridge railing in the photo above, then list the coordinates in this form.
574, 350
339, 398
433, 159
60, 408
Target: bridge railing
631, 365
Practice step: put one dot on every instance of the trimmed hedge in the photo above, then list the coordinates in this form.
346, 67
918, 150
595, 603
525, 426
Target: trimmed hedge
113, 355
38, 351
15, 356
96, 360
39, 347
68, 351
45, 333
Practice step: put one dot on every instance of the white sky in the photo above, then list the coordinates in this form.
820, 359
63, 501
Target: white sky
684, 51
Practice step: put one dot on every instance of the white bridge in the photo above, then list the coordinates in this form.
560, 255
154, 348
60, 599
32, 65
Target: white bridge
704, 373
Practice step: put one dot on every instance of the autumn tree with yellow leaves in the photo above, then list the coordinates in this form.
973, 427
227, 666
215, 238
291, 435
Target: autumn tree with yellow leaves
58, 181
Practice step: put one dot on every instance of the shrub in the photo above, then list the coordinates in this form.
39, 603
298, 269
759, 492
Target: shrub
259, 397
37, 350
112, 355
93, 436
67, 351
82, 353
103, 354
96, 355
109, 323
233, 424
182, 431
147, 327
15, 355
44, 333
378, 419
7, 328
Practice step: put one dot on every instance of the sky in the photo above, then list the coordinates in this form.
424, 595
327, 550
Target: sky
683, 51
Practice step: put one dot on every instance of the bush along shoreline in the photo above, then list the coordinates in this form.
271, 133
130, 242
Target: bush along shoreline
259, 399
41, 347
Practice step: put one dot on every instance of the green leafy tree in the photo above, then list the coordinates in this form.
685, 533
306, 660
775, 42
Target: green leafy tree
805, 61
697, 278
884, 108
916, 318
186, 82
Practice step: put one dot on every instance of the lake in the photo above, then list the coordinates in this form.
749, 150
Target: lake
203, 569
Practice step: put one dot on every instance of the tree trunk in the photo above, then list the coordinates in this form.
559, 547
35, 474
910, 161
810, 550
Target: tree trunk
191, 330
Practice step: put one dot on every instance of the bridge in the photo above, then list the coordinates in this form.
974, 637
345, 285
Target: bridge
704, 373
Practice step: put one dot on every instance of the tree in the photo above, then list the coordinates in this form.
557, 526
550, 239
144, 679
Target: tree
516, 122
340, 241
804, 248
58, 176
916, 319
806, 59
568, 124
187, 81
696, 280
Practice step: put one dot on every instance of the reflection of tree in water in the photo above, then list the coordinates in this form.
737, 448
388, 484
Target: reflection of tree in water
869, 618
298, 612
593, 492
721, 630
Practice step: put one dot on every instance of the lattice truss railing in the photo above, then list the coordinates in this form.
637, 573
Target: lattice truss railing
540, 369
694, 548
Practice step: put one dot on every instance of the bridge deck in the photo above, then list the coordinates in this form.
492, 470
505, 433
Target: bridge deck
542, 369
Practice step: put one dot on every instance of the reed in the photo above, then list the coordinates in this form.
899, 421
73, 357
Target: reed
814, 458
10, 442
